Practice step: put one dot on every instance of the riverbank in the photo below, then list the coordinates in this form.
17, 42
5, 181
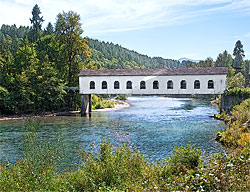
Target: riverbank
237, 133
117, 106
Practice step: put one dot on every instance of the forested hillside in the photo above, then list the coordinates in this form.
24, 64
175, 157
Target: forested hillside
109, 55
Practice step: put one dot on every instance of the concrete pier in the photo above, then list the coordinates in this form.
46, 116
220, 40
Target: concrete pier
86, 104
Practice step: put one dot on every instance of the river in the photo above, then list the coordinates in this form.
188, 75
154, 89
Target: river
152, 124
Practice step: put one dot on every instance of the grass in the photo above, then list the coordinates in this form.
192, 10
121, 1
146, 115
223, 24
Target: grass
120, 168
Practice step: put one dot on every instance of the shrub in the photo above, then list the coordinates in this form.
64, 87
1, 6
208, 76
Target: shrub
237, 80
121, 97
185, 158
36, 170
111, 167
231, 136
241, 112
236, 91
99, 103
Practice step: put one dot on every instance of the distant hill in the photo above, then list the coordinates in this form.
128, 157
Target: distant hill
109, 55
186, 59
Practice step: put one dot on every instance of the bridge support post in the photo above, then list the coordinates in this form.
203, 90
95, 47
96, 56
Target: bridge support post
86, 105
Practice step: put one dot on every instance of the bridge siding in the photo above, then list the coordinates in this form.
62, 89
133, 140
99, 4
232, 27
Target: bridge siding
219, 84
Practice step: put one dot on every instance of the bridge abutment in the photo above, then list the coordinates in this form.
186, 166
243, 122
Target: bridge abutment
86, 104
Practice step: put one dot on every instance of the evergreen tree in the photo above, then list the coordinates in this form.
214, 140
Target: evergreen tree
224, 60
238, 54
49, 29
36, 22
247, 63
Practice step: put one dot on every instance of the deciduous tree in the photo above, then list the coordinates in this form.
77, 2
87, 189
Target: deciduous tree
69, 31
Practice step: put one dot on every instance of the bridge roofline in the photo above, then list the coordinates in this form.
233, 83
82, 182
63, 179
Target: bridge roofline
155, 72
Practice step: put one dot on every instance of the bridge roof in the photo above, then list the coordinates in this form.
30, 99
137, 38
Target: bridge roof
154, 72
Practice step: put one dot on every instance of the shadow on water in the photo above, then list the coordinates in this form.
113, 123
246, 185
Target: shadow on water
186, 106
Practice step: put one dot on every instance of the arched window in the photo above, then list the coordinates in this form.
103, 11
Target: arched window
142, 85
170, 84
129, 85
210, 84
104, 85
183, 84
197, 84
92, 85
116, 85
156, 85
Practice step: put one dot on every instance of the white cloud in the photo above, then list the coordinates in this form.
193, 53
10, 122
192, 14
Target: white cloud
25, 2
100, 16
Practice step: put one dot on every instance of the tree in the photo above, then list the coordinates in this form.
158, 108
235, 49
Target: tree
49, 29
206, 63
238, 56
237, 80
224, 60
247, 62
68, 30
74, 48
36, 22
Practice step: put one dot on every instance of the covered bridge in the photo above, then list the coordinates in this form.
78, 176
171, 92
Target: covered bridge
183, 81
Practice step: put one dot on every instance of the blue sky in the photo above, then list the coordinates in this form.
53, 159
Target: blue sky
173, 29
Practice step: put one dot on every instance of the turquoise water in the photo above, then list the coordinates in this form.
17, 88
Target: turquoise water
153, 125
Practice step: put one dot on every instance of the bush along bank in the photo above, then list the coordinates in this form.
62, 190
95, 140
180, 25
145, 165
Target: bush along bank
120, 168
237, 134
99, 102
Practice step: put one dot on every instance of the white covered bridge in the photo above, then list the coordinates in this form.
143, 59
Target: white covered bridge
165, 81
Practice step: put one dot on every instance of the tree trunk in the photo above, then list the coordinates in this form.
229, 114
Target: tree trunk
69, 85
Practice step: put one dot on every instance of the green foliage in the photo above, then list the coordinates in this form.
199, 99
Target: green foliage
246, 74
241, 112
239, 55
121, 97
36, 22
5, 101
185, 158
227, 173
237, 135
109, 55
224, 60
236, 91
49, 29
112, 167
34, 172
237, 80
68, 30
99, 103
41, 154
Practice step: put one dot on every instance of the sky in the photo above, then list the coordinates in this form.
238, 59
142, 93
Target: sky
195, 29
